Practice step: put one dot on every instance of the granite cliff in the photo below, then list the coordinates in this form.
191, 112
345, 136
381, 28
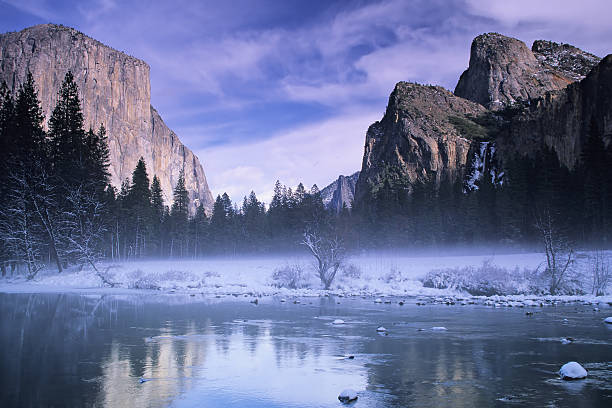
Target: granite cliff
420, 138
503, 70
339, 193
562, 119
510, 101
115, 91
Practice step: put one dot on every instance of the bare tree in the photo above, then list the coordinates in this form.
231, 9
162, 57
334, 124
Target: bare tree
42, 196
601, 273
559, 254
83, 229
329, 254
19, 231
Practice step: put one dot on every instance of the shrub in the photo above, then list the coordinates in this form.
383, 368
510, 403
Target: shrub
156, 280
351, 271
485, 280
289, 276
394, 275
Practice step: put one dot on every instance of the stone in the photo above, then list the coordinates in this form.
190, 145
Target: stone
115, 90
347, 396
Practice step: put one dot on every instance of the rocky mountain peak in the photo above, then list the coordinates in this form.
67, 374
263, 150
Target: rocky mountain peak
503, 70
339, 193
566, 59
115, 91
425, 135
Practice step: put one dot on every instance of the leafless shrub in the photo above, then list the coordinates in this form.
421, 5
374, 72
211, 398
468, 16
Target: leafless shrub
289, 276
393, 276
156, 280
351, 271
560, 257
486, 280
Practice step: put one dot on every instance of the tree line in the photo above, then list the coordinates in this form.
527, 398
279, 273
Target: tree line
496, 211
57, 206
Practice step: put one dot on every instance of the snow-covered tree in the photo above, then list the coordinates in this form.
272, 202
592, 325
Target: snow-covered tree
329, 254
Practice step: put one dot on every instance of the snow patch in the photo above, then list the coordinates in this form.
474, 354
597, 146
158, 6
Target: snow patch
572, 371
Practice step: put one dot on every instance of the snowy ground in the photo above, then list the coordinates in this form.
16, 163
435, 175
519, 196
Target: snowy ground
373, 275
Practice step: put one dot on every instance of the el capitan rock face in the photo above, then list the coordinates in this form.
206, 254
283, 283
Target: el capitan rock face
416, 140
503, 70
114, 89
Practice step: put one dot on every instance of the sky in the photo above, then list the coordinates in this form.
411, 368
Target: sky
266, 90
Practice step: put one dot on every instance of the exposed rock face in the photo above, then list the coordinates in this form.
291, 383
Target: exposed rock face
341, 192
503, 70
562, 119
570, 61
429, 134
115, 91
418, 139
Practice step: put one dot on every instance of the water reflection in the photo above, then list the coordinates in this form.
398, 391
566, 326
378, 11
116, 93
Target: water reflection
173, 350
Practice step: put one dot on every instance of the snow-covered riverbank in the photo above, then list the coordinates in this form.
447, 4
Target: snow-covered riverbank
374, 276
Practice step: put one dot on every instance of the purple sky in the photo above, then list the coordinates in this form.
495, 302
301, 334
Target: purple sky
266, 90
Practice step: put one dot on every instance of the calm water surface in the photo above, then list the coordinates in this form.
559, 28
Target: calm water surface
93, 350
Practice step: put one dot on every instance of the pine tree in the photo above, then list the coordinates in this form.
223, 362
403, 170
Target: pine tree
28, 135
97, 159
31, 167
6, 150
179, 215
157, 198
253, 222
139, 208
157, 217
7, 116
180, 205
67, 136
199, 224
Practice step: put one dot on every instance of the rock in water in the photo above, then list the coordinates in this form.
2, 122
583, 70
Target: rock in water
439, 328
338, 321
381, 329
572, 371
347, 395
608, 320
115, 91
